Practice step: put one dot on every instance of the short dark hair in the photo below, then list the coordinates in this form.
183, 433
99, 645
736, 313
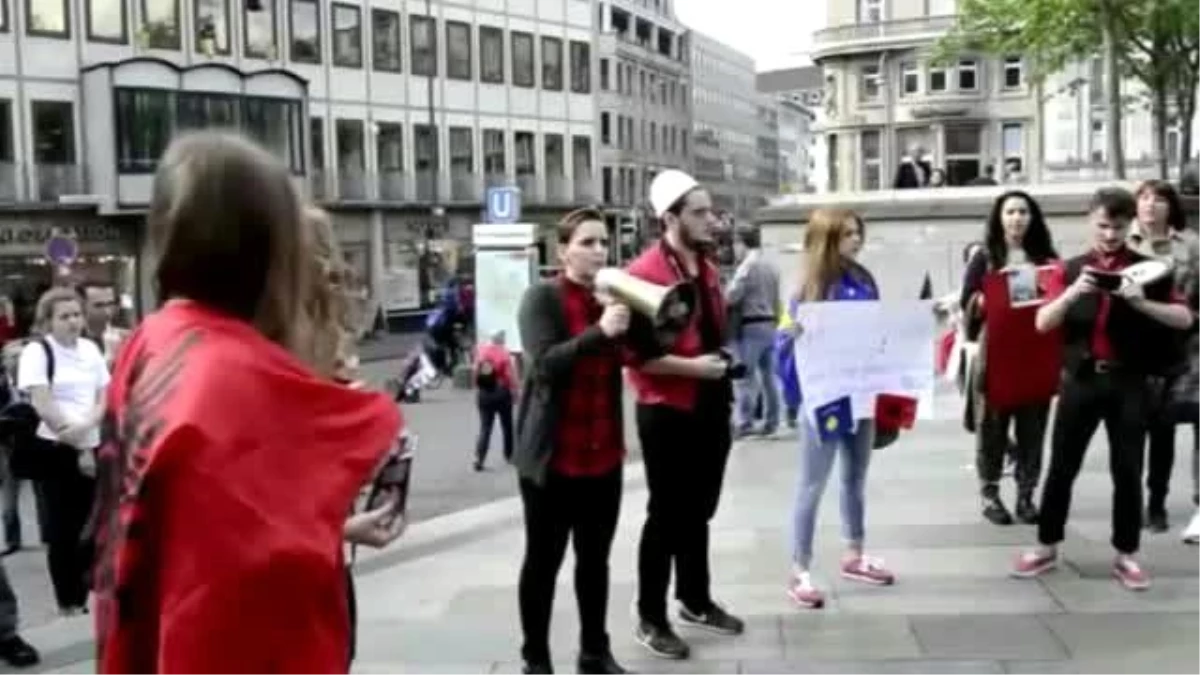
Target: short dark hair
1176, 219
749, 235
571, 222
1116, 203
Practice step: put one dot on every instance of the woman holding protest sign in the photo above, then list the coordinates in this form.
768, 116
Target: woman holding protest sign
832, 242
1016, 240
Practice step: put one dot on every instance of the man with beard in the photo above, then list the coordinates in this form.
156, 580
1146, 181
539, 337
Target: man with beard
684, 401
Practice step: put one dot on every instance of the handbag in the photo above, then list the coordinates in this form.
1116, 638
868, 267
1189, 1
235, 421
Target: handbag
29, 456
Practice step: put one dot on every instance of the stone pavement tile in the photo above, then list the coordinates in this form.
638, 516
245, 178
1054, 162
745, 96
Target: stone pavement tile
899, 666
1106, 596
933, 595
643, 665
471, 640
819, 636
1130, 642
972, 532
762, 641
986, 637
388, 668
950, 562
1043, 667
64, 669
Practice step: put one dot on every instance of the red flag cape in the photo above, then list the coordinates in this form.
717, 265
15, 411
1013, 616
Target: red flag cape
1022, 366
236, 467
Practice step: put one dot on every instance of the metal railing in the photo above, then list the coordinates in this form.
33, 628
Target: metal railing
530, 190
585, 190
427, 186
8, 182
352, 184
464, 186
558, 190
52, 181
393, 185
900, 28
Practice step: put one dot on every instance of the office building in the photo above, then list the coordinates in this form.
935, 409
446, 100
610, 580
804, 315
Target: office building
803, 156
394, 114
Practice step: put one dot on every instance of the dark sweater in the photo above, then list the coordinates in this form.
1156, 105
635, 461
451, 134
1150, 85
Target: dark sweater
550, 353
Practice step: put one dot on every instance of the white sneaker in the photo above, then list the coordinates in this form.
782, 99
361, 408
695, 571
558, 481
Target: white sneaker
1191, 534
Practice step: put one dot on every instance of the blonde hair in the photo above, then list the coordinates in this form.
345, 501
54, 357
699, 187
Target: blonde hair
48, 304
330, 346
823, 261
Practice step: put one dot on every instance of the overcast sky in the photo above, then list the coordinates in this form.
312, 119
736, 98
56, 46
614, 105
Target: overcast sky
777, 33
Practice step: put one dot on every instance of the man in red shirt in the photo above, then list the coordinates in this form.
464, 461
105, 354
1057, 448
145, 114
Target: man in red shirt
683, 417
1117, 339
495, 391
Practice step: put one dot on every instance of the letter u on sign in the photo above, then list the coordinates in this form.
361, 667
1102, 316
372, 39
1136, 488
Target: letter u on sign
503, 205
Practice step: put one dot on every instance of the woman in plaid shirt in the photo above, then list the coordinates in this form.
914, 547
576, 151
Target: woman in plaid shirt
570, 442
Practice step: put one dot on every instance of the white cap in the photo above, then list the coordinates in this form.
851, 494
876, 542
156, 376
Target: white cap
666, 189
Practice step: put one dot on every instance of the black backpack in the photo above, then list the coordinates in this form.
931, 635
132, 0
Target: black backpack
18, 430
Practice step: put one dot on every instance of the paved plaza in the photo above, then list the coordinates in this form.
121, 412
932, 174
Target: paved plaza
444, 599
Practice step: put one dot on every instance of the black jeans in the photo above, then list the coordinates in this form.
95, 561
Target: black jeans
1160, 462
584, 510
991, 444
684, 454
1120, 401
494, 404
69, 496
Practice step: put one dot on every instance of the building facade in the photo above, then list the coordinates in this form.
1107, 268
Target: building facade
728, 120
884, 99
644, 101
395, 115
799, 92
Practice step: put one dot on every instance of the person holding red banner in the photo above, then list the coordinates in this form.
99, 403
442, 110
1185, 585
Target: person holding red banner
1117, 335
1016, 234
832, 242
232, 456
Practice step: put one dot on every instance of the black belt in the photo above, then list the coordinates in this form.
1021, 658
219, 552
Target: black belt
758, 319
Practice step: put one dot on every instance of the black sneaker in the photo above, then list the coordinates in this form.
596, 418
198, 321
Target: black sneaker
1026, 510
715, 619
995, 511
18, 653
599, 664
1156, 520
661, 641
537, 668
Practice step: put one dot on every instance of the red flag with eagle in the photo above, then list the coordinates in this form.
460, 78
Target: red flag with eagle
228, 471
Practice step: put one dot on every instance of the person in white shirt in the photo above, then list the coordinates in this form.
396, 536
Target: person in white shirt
65, 377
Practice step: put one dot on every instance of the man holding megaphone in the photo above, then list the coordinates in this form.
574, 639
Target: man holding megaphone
682, 380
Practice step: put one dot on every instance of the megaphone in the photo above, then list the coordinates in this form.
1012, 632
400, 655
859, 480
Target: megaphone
669, 308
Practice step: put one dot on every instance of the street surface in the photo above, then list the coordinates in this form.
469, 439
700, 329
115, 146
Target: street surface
444, 599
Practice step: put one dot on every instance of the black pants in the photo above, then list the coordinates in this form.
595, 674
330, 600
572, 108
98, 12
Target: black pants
1120, 402
494, 404
991, 445
584, 510
1160, 462
684, 454
352, 612
69, 495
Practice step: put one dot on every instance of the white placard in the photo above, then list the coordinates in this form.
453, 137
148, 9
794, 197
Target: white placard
401, 289
501, 277
863, 349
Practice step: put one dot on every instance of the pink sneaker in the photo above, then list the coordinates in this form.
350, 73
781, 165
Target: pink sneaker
1130, 574
1033, 563
867, 570
802, 592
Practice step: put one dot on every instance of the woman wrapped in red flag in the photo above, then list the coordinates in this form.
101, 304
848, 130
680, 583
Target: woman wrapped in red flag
232, 455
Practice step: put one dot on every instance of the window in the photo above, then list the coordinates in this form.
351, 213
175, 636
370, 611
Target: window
493, 153
6, 130
458, 50
47, 18
654, 136
581, 157
606, 184
621, 131
351, 155
160, 24
423, 34
105, 21
1012, 140
1096, 95
316, 131
620, 77
491, 55
968, 75
53, 132
145, 118
1099, 140
603, 74
1014, 72
605, 128
198, 110
870, 11
425, 150
937, 80
4, 25
462, 151
522, 59
964, 153
389, 147
552, 64
525, 160
385, 40
872, 160
940, 7
581, 67
910, 79
212, 26
347, 36
306, 31
259, 29
555, 161
1173, 140
275, 124
869, 77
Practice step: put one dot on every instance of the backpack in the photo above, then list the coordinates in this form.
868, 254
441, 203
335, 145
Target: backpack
485, 376
18, 430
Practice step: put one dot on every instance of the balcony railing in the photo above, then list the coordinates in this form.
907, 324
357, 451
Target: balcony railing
352, 184
585, 189
393, 185
528, 182
464, 186
558, 190
8, 182
427, 186
900, 28
55, 180
496, 179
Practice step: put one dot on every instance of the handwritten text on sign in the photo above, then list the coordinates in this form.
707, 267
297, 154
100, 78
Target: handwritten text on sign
863, 349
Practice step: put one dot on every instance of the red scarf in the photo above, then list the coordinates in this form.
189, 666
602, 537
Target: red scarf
227, 473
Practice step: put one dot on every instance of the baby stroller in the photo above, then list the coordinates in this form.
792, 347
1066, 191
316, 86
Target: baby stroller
418, 373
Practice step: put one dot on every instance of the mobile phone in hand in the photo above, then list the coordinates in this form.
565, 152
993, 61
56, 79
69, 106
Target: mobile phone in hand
1106, 281
392, 481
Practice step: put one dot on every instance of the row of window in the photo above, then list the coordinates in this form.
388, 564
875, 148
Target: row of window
965, 77
875, 11
53, 132
107, 22
652, 87
350, 147
963, 160
672, 140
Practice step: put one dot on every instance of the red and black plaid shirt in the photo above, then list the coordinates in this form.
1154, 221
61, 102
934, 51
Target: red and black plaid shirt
590, 439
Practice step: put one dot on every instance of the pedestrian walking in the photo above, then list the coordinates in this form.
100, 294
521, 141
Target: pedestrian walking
495, 391
753, 301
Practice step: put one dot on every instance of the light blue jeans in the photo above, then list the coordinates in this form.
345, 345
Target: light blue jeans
816, 461
756, 349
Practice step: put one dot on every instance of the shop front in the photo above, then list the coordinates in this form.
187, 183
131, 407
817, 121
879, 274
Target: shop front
421, 255
101, 251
